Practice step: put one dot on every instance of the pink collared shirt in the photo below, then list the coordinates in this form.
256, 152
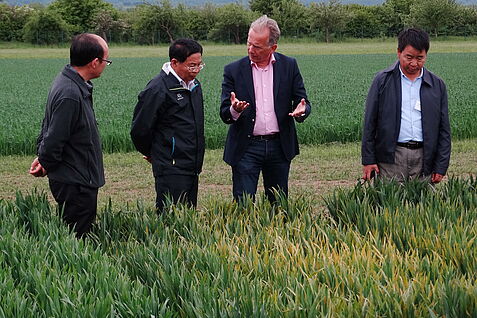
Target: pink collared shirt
265, 118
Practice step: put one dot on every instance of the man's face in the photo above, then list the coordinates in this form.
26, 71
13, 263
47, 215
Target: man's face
412, 61
101, 63
188, 69
259, 51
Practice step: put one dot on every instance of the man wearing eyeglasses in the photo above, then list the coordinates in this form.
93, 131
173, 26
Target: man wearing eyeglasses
168, 125
262, 96
69, 146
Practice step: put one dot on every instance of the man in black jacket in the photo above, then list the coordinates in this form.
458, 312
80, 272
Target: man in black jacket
406, 123
69, 146
168, 125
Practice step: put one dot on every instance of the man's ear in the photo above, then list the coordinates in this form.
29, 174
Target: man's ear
94, 63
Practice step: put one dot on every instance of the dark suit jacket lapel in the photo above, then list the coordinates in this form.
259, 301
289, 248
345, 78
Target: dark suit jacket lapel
398, 89
246, 70
276, 77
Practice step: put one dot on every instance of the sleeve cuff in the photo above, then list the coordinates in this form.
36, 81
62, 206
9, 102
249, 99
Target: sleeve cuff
234, 113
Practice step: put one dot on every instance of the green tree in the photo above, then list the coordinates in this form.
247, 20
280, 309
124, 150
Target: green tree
199, 21
433, 15
290, 16
156, 23
464, 22
263, 6
12, 20
233, 22
80, 14
393, 15
109, 26
45, 27
363, 21
328, 17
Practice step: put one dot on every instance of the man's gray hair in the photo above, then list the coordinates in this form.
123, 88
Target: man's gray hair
265, 22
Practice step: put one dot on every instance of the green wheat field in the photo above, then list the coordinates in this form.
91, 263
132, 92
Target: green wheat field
335, 248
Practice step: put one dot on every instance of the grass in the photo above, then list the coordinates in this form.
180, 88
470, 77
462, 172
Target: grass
365, 46
336, 86
317, 171
335, 249
382, 251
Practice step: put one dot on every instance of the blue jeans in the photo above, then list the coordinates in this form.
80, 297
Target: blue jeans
266, 156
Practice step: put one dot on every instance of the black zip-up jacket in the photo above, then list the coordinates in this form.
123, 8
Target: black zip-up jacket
382, 120
168, 126
69, 146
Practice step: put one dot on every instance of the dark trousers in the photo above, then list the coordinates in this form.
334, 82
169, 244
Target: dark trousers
78, 205
266, 156
178, 188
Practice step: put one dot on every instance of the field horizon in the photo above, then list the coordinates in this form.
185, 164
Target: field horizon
288, 46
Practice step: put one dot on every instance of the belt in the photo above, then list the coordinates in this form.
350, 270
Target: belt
265, 137
410, 144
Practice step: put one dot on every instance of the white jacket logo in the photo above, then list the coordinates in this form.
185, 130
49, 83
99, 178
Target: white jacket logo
179, 96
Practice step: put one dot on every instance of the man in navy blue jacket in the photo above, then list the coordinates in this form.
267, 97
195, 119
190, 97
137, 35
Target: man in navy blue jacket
262, 96
406, 123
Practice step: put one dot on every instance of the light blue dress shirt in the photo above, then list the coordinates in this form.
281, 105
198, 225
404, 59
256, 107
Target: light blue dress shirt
411, 124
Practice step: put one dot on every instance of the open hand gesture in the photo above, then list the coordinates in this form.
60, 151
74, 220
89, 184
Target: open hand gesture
300, 109
237, 105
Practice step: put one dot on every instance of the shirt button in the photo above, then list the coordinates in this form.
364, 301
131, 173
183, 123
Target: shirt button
248, 136
253, 119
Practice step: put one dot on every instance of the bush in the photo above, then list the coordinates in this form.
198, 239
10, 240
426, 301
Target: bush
45, 27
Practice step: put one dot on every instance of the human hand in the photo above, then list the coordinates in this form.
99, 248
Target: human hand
436, 178
369, 171
36, 169
237, 105
299, 110
148, 159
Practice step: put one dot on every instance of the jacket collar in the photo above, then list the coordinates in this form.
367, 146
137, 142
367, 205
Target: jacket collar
173, 83
85, 87
426, 76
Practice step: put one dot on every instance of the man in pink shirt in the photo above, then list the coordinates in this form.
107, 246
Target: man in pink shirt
262, 97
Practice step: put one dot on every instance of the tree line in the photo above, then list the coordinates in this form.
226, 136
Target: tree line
162, 22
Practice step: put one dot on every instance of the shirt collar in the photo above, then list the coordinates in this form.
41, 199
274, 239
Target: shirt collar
167, 68
272, 60
72, 73
403, 75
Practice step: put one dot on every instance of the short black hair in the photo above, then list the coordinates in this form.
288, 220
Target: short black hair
181, 49
85, 47
417, 38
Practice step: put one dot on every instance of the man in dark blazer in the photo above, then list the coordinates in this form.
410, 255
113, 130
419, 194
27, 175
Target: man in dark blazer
406, 123
262, 95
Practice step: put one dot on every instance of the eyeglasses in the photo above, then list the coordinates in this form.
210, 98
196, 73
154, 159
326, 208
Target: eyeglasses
195, 68
108, 62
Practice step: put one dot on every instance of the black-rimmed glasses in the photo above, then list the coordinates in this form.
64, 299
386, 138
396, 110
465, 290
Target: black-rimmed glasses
108, 62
